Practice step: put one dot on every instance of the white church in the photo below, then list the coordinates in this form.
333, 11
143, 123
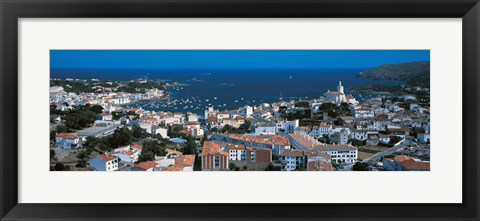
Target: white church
339, 96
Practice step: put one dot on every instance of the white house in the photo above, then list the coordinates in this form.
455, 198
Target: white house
104, 117
385, 139
362, 112
104, 163
324, 129
276, 143
359, 134
192, 117
339, 153
341, 137
246, 111
66, 141
286, 127
336, 96
236, 152
159, 130
262, 130
129, 156
292, 160
182, 163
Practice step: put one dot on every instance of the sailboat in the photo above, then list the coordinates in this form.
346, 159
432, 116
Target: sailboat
290, 77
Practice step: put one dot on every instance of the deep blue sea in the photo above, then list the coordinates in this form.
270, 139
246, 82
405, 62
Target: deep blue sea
227, 88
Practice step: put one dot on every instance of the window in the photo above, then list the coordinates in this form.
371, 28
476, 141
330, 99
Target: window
217, 161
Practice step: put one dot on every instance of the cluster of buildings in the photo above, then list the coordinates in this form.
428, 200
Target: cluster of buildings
339, 96
108, 99
219, 119
273, 138
126, 158
219, 156
157, 122
405, 163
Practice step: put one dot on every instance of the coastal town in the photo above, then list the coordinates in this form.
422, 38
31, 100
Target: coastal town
94, 126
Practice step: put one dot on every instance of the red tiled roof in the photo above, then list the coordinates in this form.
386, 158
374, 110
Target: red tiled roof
173, 168
292, 153
106, 158
67, 136
311, 154
185, 160
411, 164
210, 147
319, 165
262, 139
146, 165
137, 146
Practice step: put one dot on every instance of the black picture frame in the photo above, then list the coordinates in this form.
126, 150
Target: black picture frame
12, 10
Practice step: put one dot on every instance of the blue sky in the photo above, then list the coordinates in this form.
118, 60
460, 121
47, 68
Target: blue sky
204, 59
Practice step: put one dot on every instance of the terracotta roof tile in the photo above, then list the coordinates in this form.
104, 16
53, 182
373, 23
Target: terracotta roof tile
106, 158
67, 136
146, 165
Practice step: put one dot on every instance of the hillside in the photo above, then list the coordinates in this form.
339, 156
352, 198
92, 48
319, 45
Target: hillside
412, 73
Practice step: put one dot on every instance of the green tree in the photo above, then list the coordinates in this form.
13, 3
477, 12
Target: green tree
335, 164
139, 133
121, 137
155, 147
232, 166
147, 156
78, 119
271, 167
84, 154
356, 142
394, 140
96, 109
174, 131
52, 154
325, 139
304, 104
92, 142
150, 149
53, 133
81, 163
330, 108
360, 166
59, 167
61, 128
190, 146
242, 129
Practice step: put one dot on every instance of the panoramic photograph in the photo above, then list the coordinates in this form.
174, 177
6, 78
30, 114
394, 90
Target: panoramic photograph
239, 110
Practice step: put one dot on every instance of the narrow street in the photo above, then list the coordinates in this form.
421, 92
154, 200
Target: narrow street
389, 151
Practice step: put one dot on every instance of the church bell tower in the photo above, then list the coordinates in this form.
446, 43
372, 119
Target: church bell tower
340, 87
